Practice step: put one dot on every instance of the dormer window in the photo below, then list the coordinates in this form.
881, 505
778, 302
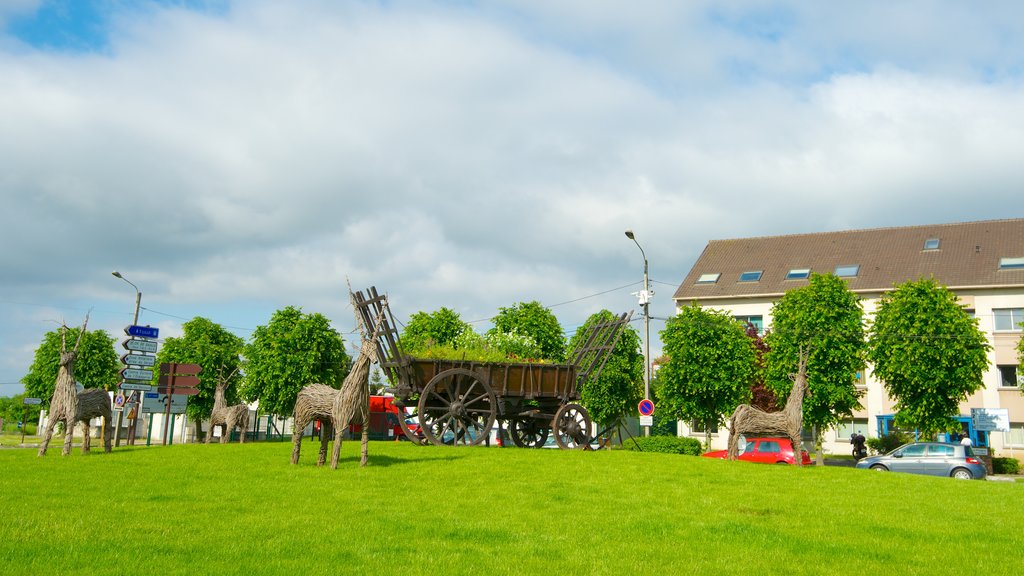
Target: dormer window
931, 244
798, 274
848, 271
752, 276
1011, 263
709, 278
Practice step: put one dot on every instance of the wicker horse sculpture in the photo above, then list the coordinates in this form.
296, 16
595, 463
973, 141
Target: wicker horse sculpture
747, 419
227, 416
321, 402
70, 406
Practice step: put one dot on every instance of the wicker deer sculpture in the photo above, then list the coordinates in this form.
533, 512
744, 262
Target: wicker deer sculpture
747, 419
229, 417
321, 402
70, 406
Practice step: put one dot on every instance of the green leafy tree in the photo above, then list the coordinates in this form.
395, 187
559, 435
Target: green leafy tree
620, 385
825, 318
533, 320
12, 410
218, 351
929, 352
710, 369
1020, 359
293, 350
97, 364
439, 328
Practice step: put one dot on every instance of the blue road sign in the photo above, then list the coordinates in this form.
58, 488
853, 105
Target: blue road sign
142, 331
646, 407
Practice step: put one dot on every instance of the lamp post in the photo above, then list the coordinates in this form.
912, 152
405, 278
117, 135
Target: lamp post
135, 320
645, 301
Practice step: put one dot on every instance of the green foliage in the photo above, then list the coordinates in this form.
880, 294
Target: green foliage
665, 444
96, 366
535, 321
470, 346
826, 319
929, 352
1005, 466
218, 351
889, 442
293, 350
620, 385
440, 328
711, 365
12, 410
1020, 358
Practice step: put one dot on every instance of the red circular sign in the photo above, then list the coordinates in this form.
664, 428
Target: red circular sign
646, 407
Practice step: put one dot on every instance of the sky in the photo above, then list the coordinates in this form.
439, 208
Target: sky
231, 158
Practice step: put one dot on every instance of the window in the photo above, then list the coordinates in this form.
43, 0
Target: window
1008, 376
1008, 319
757, 321
1011, 263
698, 428
847, 428
940, 451
769, 447
752, 276
847, 271
931, 244
798, 274
914, 450
708, 278
1015, 437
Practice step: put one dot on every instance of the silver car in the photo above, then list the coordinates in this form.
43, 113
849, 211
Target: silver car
931, 458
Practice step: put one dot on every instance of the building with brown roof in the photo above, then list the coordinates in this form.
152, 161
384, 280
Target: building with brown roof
982, 262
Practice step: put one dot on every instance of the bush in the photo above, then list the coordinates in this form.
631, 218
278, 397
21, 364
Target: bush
1005, 466
889, 442
666, 444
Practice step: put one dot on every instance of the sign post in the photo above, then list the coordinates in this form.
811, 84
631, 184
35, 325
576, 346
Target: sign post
176, 379
137, 373
24, 414
646, 408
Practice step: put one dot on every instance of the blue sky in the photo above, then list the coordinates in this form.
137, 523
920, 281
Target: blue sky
232, 158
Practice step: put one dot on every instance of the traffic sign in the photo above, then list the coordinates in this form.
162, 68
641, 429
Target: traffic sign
646, 407
136, 386
32, 401
139, 345
138, 360
136, 374
143, 331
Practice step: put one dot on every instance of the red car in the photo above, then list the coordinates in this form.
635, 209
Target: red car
765, 451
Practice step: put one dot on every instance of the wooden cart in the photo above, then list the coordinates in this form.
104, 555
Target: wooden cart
455, 402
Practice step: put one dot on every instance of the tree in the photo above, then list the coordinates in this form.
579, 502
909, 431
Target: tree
97, 365
533, 320
619, 387
442, 327
710, 368
929, 353
761, 397
293, 350
1020, 358
218, 351
826, 318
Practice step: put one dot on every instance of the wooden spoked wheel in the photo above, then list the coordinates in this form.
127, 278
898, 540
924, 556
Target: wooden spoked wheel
457, 408
528, 432
572, 427
408, 422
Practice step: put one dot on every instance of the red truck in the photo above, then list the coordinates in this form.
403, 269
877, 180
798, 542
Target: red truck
384, 417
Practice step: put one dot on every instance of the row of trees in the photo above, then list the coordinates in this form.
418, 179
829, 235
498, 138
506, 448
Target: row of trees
922, 344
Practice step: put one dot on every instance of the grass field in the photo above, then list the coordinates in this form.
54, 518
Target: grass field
243, 509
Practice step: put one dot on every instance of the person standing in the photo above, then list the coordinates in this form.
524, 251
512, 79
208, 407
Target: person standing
965, 440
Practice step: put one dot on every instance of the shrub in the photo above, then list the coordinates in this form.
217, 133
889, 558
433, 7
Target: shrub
666, 444
889, 442
1005, 466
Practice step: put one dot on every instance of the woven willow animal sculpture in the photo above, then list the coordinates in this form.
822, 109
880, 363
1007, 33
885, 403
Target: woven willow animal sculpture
320, 402
70, 406
227, 416
747, 419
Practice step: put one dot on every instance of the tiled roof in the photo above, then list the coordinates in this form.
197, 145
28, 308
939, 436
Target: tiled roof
968, 256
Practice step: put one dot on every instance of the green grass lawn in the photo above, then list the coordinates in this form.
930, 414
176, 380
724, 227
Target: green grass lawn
243, 509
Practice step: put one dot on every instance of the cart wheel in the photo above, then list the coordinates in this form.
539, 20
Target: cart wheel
527, 432
457, 408
572, 427
414, 433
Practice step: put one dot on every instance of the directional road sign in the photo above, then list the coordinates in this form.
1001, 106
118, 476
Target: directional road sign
136, 374
32, 401
139, 345
136, 386
138, 360
143, 331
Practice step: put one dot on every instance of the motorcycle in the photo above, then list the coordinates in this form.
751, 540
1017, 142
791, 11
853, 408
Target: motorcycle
860, 450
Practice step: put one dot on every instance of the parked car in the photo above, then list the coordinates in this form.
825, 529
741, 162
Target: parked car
765, 451
931, 458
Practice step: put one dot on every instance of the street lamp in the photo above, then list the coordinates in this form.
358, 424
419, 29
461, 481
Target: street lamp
645, 301
135, 321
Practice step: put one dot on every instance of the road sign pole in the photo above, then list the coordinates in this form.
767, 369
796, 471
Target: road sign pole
24, 423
